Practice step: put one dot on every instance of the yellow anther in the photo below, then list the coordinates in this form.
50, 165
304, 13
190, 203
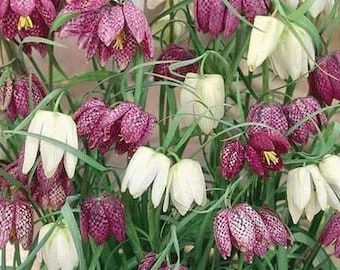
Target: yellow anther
25, 22
271, 157
119, 41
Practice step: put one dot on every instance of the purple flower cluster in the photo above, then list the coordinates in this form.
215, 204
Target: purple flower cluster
109, 29
268, 136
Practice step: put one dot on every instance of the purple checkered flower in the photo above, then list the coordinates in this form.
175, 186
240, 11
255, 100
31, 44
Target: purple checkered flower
248, 230
232, 158
212, 16
149, 260
299, 110
15, 95
27, 18
51, 192
264, 152
270, 115
109, 29
175, 53
102, 217
127, 126
277, 230
331, 234
16, 222
324, 83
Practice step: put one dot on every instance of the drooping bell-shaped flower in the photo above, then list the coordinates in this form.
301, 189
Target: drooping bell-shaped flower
57, 126
267, 115
16, 95
127, 126
301, 110
27, 18
14, 169
59, 251
149, 260
102, 217
330, 235
16, 222
323, 81
185, 185
330, 169
278, 232
232, 157
317, 7
51, 192
264, 151
203, 98
174, 53
301, 57
215, 18
145, 167
109, 29
249, 230
309, 192
264, 38
271, 38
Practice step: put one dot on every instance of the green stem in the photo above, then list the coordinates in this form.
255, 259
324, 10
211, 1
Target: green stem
3, 258
265, 81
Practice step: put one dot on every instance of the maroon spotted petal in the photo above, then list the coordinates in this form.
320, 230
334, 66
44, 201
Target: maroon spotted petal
331, 232
298, 113
51, 192
262, 236
7, 212
231, 21
6, 91
25, 88
324, 81
256, 162
232, 158
278, 231
252, 8
148, 261
174, 53
102, 217
222, 233
271, 115
242, 230
24, 223
115, 213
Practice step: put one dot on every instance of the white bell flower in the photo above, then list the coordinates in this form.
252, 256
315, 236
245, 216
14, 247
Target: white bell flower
308, 191
55, 125
330, 169
186, 185
59, 251
301, 56
264, 38
203, 98
316, 8
145, 167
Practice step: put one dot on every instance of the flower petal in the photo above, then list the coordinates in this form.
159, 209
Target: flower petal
31, 143
70, 160
111, 24
135, 20
23, 7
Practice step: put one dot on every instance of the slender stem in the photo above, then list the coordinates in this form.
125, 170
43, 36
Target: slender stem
3, 258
